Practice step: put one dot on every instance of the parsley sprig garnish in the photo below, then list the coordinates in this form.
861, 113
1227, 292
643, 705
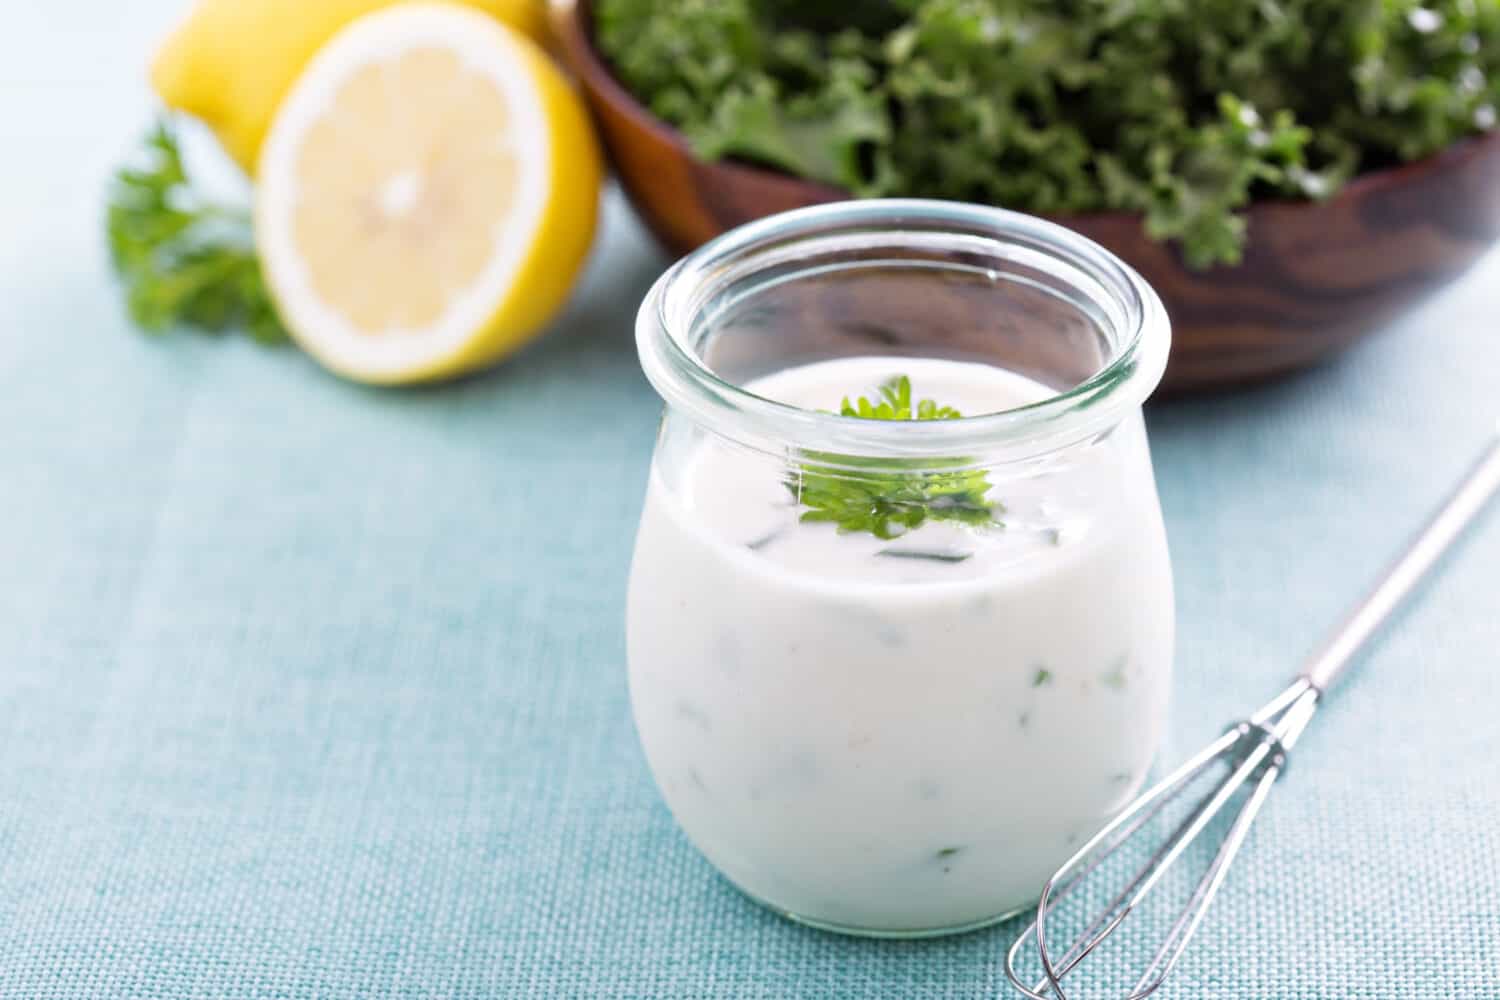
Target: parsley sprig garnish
889, 497
184, 260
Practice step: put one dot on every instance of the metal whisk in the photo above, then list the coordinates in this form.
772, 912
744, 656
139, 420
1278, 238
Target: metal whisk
1253, 754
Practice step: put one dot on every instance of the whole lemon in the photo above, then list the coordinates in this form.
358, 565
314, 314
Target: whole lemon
231, 62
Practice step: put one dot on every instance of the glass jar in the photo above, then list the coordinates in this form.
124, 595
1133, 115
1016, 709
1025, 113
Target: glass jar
889, 673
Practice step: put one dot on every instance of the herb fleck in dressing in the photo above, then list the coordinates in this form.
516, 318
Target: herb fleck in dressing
887, 653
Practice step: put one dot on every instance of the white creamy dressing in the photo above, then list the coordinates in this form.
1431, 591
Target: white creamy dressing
884, 742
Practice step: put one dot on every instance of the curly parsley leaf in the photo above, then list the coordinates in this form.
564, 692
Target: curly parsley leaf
890, 497
184, 261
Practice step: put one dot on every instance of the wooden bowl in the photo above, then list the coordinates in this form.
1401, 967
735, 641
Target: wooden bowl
1315, 277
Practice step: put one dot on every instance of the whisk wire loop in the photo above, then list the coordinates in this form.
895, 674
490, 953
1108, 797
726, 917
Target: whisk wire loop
1254, 752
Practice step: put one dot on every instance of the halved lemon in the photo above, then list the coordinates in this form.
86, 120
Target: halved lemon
426, 195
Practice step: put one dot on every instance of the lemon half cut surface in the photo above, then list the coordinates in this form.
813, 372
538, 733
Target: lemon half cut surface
427, 194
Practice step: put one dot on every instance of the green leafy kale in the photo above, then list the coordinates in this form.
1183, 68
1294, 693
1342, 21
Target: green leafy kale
889, 497
184, 261
1183, 110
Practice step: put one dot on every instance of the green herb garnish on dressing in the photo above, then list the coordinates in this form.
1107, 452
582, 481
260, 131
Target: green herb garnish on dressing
890, 497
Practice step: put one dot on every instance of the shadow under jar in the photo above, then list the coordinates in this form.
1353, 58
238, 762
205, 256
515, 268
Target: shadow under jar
889, 673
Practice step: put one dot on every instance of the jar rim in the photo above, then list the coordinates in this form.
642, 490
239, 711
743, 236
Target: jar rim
1093, 406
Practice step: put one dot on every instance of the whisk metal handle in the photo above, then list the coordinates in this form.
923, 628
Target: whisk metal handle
1325, 666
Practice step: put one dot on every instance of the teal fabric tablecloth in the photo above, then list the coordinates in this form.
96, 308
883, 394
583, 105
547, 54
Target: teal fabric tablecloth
315, 691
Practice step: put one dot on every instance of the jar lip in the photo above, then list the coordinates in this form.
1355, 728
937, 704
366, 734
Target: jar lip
1092, 407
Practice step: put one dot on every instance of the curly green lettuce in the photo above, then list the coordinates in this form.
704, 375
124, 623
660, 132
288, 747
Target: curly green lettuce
1181, 110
